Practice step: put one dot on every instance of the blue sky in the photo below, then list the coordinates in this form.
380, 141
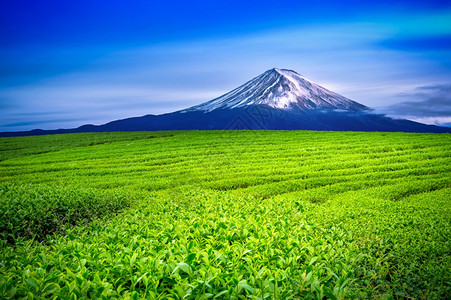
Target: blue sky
68, 63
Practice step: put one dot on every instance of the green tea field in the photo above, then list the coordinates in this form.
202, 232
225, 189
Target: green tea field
226, 215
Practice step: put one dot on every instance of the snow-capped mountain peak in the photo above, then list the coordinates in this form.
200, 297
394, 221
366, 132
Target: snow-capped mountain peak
283, 89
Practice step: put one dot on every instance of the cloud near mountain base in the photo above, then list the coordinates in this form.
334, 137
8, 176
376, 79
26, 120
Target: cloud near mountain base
426, 104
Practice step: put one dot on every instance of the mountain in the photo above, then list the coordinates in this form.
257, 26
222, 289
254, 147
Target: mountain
278, 99
281, 89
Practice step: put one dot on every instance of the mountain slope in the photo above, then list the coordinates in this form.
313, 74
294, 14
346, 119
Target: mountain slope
281, 89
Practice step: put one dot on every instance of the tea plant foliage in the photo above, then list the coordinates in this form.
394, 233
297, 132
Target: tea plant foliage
226, 215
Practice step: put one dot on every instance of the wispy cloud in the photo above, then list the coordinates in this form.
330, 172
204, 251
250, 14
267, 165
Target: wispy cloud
420, 43
72, 106
429, 104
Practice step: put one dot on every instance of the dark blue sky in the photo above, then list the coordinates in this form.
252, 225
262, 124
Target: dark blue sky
67, 63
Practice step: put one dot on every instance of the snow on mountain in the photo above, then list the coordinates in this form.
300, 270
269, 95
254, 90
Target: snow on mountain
280, 88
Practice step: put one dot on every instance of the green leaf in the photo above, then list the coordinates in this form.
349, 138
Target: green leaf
133, 258
135, 295
140, 278
11, 292
244, 285
32, 282
191, 257
246, 252
331, 296
313, 260
169, 280
184, 267
51, 288
221, 293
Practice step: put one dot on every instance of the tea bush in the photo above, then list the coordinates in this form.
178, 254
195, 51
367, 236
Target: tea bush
226, 215
37, 211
